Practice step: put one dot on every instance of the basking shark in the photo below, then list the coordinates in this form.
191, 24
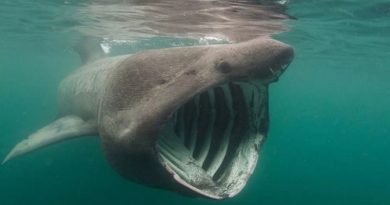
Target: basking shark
186, 119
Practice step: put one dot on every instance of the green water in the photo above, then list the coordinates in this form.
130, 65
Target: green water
329, 141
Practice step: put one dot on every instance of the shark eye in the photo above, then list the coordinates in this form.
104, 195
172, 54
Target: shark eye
224, 67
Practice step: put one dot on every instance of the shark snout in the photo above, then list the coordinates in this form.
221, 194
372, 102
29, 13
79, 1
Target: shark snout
281, 62
264, 59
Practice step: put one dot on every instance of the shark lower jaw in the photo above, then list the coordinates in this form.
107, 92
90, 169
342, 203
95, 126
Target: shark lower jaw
210, 144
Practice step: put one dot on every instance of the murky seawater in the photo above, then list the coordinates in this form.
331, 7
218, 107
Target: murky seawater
329, 141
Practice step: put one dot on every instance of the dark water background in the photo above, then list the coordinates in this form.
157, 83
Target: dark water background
329, 141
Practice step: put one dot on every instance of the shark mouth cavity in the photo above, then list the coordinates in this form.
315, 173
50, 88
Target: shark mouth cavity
210, 145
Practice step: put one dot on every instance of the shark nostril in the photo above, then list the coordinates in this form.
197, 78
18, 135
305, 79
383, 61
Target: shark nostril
224, 67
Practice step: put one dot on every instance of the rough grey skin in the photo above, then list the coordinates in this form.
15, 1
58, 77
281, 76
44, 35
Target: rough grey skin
188, 119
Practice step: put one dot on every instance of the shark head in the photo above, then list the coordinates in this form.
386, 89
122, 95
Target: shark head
191, 119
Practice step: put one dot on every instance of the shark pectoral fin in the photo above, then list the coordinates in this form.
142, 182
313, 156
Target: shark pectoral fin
64, 128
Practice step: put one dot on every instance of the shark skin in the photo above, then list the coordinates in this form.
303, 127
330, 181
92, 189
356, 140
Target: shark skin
188, 119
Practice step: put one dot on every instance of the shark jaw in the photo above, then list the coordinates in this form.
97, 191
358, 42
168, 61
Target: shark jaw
210, 144
199, 131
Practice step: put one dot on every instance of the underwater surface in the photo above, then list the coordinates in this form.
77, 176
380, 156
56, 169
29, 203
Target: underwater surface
329, 140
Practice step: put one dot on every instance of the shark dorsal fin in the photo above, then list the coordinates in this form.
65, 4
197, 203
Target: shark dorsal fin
89, 49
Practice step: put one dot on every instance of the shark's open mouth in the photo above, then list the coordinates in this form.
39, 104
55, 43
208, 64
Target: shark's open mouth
210, 145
